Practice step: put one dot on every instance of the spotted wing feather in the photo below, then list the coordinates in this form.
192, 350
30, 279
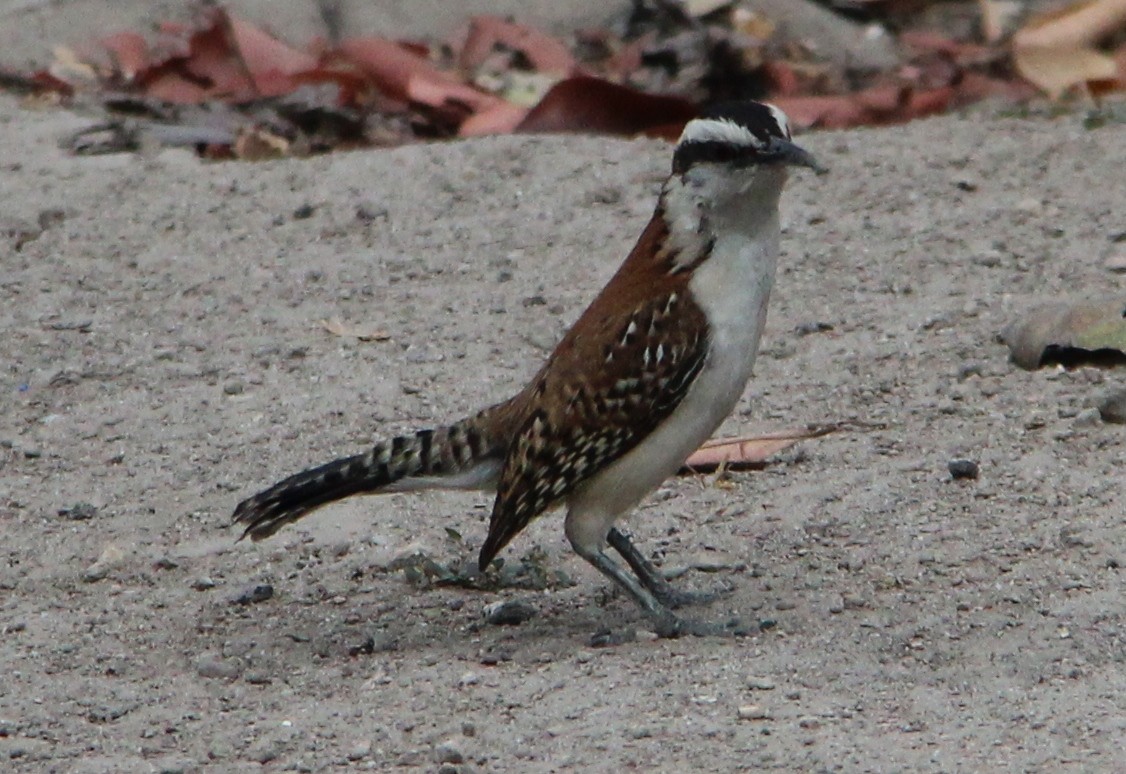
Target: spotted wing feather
583, 418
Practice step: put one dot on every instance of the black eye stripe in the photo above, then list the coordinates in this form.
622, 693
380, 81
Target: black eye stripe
692, 153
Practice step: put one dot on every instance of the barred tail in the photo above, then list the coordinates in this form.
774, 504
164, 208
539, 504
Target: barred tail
464, 455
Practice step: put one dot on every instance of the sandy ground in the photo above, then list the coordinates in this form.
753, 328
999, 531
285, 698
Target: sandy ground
163, 358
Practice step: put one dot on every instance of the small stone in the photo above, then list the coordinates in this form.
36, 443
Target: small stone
448, 752
966, 370
511, 613
366, 213
1112, 407
111, 557
989, 259
753, 712
469, 678
233, 388
359, 751
254, 595
265, 751
203, 584
1087, 418
760, 684
448, 768
1116, 263
304, 211
468, 729
79, 512
212, 666
963, 469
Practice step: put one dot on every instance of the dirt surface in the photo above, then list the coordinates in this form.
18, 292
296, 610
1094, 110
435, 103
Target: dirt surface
163, 358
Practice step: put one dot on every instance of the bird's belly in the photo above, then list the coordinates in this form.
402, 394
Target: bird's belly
713, 395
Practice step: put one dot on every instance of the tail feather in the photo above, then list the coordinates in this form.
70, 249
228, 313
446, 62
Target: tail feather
429, 457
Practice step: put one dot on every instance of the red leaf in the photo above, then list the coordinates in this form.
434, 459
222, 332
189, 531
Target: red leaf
501, 118
213, 59
130, 53
269, 61
172, 87
588, 104
390, 65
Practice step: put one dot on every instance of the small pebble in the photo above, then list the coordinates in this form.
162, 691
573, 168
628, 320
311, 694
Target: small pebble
359, 751
111, 557
753, 712
448, 752
233, 388
211, 666
1112, 407
254, 595
304, 211
511, 613
469, 678
1087, 418
203, 584
1116, 263
760, 684
79, 512
963, 469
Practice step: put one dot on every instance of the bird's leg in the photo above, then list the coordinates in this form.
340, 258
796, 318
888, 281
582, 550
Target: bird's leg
652, 579
665, 622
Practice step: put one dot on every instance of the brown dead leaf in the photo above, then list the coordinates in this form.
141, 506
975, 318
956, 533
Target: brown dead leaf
270, 63
592, 105
1055, 70
1056, 51
338, 327
260, 145
130, 53
1079, 25
748, 451
879, 105
500, 118
1070, 334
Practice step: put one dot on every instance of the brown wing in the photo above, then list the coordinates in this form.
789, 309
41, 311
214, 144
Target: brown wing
597, 398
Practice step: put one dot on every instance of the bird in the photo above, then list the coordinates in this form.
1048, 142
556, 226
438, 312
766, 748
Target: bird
646, 374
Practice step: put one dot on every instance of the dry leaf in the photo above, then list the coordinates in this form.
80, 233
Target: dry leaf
68, 68
260, 145
748, 451
1055, 52
1070, 334
1079, 25
338, 327
1055, 70
130, 53
592, 105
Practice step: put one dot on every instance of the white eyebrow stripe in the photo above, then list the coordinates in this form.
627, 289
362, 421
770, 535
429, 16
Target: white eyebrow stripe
718, 130
780, 117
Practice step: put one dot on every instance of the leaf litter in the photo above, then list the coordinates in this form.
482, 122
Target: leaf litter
230, 89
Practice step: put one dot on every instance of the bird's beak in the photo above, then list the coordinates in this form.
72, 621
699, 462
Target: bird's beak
787, 152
